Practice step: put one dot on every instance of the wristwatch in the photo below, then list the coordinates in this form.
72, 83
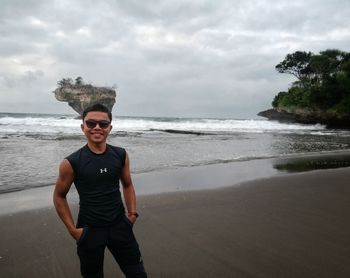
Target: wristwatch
133, 213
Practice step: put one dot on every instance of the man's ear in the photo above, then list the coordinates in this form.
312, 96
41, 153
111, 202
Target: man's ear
110, 128
82, 127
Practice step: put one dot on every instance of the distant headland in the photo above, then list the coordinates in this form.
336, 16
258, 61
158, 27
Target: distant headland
321, 93
80, 95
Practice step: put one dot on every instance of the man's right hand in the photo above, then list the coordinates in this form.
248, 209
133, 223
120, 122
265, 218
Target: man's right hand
76, 233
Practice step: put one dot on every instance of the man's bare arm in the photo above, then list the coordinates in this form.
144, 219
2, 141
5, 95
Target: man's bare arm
128, 189
63, 184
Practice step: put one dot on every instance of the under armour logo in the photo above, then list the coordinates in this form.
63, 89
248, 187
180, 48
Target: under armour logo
103, 170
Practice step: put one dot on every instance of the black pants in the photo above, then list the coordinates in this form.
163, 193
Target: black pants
120, 240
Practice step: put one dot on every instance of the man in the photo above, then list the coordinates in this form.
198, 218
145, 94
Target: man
96, 170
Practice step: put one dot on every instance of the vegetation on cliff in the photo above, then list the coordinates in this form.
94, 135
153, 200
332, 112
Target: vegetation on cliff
69, 82
322, 87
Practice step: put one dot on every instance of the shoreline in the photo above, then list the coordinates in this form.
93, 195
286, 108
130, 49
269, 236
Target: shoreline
150, 183
293, 225
213, 176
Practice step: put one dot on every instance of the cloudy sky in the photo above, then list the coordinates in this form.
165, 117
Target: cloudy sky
177, 58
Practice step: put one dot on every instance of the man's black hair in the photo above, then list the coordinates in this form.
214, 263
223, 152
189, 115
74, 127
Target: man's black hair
97, 108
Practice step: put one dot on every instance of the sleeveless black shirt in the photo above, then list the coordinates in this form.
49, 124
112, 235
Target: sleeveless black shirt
96, 178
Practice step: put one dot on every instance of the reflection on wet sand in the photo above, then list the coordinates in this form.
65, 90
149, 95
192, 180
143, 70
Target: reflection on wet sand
312, 162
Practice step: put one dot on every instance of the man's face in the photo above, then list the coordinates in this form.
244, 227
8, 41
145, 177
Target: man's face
98, 133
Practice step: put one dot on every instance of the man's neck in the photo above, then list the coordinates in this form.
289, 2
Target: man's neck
97, 148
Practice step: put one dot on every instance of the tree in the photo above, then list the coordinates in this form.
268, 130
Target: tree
327, 63
345, 64
65, 82
323, 81
297, 64
79, 81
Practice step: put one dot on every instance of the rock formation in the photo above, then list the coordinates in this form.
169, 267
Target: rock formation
81, 96
306, 116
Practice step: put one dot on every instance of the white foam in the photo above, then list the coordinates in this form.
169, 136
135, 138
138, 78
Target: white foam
65, 125
211, 125
39, 125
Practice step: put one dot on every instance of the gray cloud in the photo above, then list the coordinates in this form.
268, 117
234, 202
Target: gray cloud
25, 80
168, 58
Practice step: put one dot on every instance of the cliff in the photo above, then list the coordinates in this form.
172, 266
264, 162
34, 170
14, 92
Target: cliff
80, 97
308, 116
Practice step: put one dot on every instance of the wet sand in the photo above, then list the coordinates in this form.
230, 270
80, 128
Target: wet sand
286, 226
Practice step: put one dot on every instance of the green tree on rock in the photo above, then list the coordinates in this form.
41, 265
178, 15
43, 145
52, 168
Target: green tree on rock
297, 64
323, 81
79, 81
65, 82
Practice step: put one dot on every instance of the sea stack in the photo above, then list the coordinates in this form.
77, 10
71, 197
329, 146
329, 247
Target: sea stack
80, 96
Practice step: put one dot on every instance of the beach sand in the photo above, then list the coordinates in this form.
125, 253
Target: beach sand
286, 226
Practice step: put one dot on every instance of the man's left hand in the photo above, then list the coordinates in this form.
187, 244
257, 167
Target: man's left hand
132, 219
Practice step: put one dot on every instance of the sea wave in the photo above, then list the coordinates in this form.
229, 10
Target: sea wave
66, 126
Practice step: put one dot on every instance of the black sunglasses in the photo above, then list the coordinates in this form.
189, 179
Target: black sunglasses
92, 124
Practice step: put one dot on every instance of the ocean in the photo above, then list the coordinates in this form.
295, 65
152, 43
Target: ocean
32, 145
